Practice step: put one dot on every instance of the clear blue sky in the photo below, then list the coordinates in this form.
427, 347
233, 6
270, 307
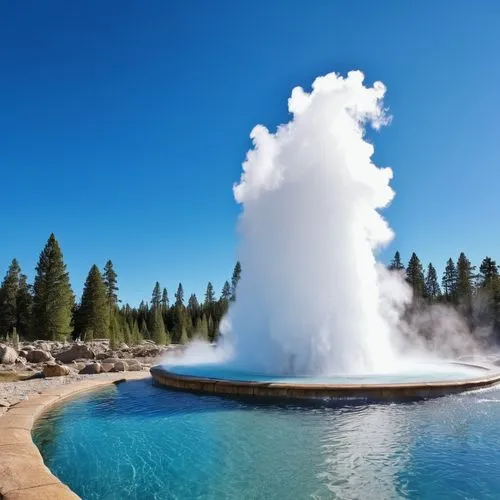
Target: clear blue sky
123, 124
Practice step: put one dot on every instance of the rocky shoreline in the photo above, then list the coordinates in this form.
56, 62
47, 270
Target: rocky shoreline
36, 366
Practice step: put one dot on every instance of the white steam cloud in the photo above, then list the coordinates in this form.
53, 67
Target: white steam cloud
310, 299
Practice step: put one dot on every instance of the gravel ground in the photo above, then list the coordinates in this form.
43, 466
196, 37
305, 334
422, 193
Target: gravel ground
14, 392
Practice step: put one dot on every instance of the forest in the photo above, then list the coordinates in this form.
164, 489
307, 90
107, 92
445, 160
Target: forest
48, 309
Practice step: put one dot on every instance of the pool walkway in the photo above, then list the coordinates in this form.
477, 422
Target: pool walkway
23, 475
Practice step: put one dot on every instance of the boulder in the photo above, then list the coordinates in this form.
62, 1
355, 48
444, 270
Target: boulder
8, 355
38, 356
120, 366
77, 351
146, 351
107, 367
23, 353
111, 361
91, 369
28, 348
52, 369
134, 365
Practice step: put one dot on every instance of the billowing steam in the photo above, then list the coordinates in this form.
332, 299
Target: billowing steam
309, 300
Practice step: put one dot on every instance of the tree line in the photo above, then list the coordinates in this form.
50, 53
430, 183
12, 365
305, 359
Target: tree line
48, 309
474, 292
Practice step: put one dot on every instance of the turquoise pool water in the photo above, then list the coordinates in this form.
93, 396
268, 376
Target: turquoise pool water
139, 441
428, 372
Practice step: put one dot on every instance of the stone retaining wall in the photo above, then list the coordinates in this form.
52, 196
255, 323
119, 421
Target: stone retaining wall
381, 392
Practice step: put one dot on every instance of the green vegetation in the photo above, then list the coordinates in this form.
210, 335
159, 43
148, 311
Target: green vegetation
47, 310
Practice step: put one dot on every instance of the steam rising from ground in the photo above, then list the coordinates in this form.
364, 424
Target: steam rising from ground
309, 300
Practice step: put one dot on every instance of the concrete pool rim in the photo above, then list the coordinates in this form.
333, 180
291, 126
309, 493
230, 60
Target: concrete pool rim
377, 391
23, 474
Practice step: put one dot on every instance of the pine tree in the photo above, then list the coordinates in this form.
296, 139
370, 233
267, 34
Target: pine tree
209, 295
24, 303
157, 327
201, 329
94, 309
226, 291
165, 303
115, 334
465, 283
156, 296
144, 330
179, 325
488, 272
53, 299
432, 289
110, 280
8, 298
137, 337
396, 264
211, 328
449, 281
235, 280
415, 275
179, 296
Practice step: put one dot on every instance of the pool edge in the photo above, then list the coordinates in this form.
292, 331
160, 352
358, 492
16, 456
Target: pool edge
23, 474
377, 392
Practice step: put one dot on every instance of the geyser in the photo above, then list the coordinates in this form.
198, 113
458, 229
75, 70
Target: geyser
315, 315
309, 299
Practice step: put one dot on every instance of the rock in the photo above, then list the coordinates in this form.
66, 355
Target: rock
38, 356
111, 360
7, 354
77, 351
28, 348
107, 367
134, 365
146, 351
44, 346
91, 369
20, 360
124, 347
121, 366
52, 369
23, 353
78, 366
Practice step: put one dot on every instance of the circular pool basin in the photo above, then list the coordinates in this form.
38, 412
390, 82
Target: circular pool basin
138, 440
422, 381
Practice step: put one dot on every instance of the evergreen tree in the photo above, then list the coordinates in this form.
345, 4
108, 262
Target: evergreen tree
94, 309
157, 327
226, 291
144, 330
209, 295
235, 279
110, 280
193, 304
8, 298
52, 299
465, 283
136, 334
115, 334
201, 328
415, 275
449, 281
432, 289
488, 272
396, 264
24, 305
179, 296
156, 296
164, 300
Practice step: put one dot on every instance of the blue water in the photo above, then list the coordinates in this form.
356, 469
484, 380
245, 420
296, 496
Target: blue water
419, 373
145, 442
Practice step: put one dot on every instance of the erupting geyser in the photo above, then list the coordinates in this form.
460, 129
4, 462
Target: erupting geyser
309, 299
315, 315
